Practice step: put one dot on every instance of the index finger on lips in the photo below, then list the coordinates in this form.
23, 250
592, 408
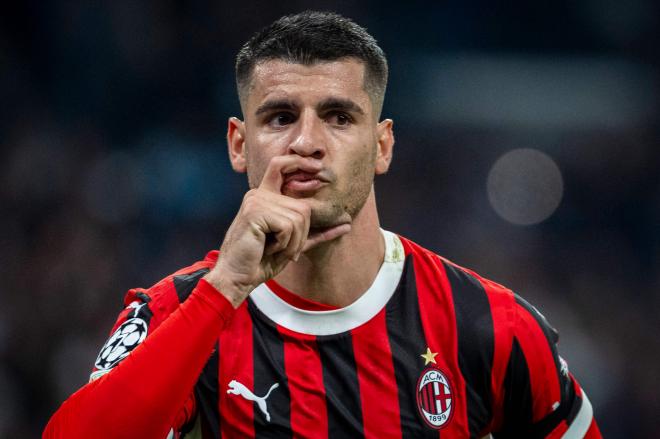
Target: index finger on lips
279, 166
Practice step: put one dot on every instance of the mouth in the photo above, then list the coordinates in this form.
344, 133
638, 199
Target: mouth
303, 182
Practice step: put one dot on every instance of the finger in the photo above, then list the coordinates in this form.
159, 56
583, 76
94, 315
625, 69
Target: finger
274, 176
276, 242
295, 226
304, 233
326, 235
277, 229
299, 234
298, 212
303, 241
304, 212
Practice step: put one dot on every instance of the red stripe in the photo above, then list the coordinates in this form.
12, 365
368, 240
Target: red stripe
375, 370
541, 363
424, 399
302, 364
558, 431
427, 399
593, 432
439, 324
296, 300
429, 396
502, 306
235, 362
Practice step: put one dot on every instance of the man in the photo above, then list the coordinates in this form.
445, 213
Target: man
311, 321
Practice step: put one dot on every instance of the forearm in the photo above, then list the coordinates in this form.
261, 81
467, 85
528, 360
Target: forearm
142, 395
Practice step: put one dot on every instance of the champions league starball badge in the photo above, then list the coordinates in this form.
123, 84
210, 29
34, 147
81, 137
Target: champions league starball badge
434, 398
130, 334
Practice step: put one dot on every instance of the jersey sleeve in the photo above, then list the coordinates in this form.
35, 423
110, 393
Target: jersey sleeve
541, 398
143, 377
140, 318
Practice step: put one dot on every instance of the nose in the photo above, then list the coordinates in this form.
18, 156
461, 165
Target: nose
309, 138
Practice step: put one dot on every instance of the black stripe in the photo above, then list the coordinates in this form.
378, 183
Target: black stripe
341, 384
143, 297
575, 406
476, 344
517, 396
570, 402
407, 341
185, 283
268, 355
206, 395
143, 312
552, 336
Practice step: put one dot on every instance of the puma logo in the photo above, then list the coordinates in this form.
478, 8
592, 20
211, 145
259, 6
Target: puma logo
236, 388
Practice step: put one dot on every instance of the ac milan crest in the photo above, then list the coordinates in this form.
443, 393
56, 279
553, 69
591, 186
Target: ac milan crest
434, 398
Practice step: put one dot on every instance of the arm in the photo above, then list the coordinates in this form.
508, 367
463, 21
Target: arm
143, 394
541, 398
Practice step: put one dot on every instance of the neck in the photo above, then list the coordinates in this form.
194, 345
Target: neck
338, 272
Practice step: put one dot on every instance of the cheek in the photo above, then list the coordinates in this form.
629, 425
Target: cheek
259, 150
361, 166
256, 165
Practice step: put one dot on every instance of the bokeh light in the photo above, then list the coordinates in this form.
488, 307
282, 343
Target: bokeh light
525, 186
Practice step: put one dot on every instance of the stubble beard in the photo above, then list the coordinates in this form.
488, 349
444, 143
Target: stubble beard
347, 202
340, 209
344, 204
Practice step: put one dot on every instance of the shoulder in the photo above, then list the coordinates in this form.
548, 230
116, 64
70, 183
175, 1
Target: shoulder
484, 310
164, 296
466, 287
144, 310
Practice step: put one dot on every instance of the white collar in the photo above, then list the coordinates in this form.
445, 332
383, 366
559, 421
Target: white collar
343, 319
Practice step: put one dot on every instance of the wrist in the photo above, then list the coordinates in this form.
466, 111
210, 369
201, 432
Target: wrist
233, 290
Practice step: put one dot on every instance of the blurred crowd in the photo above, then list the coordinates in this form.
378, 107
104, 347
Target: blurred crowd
114, 170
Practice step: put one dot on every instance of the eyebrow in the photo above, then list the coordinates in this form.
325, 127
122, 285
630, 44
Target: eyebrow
326, 105
339, 104
276, 104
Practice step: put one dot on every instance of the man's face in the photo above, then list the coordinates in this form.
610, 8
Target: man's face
320, 112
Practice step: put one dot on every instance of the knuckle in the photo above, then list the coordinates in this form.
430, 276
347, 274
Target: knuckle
251, 199
248, 197
303, 208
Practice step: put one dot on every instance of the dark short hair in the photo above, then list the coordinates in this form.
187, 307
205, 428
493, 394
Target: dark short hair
311, 37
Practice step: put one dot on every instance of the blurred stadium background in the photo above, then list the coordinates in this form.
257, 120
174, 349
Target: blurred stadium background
527, 149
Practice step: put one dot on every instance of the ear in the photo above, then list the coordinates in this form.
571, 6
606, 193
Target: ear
385, 146
236, 144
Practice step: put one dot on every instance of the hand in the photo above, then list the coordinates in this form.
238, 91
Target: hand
269, 231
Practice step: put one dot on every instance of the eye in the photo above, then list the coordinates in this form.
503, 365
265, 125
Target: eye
340, 119
281, 119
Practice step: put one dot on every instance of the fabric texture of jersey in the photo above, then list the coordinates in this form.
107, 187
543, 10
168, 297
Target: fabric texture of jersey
430, 350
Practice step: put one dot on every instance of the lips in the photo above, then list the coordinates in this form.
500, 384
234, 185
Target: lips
301, 181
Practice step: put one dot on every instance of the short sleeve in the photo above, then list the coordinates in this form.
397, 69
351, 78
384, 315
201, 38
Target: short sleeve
541, 397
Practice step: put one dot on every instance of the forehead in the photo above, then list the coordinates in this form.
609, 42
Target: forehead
277, 79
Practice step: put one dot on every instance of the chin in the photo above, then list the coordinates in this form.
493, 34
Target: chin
324, 218
329, 216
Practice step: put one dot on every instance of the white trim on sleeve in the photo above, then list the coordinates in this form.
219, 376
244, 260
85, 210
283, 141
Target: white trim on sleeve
582, 421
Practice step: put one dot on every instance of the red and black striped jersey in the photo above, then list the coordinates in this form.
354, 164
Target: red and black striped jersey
429, 350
